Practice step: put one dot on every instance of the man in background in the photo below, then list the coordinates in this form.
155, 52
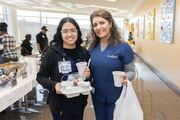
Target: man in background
7, 45
42, 40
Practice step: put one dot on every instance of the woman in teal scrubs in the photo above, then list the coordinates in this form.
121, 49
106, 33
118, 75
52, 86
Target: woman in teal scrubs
108, 53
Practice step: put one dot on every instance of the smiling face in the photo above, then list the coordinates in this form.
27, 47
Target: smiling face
101, 27
69, 35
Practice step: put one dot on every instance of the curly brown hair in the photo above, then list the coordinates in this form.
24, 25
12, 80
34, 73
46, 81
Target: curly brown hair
115, 36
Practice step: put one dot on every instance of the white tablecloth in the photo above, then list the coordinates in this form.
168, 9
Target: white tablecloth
32, 67
9, 95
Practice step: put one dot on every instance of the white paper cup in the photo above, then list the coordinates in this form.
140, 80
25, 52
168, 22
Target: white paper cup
81, 67
117, 76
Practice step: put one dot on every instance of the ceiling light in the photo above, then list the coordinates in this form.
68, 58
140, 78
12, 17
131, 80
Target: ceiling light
47, 8
43, 0
66, 5
111, 0
81, 6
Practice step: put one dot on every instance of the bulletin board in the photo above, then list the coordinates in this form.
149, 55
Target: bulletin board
136, 29
150, 25
167, 20
141, 27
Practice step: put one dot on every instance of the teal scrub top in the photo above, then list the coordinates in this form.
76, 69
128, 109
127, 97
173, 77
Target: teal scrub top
113, 58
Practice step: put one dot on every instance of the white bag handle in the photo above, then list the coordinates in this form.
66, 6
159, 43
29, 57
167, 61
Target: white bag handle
127, 106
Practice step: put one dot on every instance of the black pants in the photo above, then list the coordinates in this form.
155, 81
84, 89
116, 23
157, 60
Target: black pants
69, 108
67, 116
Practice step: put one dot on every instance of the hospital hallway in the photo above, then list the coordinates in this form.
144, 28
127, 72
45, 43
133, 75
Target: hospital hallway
158, 101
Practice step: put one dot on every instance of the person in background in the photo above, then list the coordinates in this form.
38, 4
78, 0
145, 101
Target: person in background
26, 46
130, 39
88, 39
42, 40
52, 42
130, 36
60, 61
108, 53
7, 45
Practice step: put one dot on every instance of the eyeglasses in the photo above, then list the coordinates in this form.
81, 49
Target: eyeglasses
66, 31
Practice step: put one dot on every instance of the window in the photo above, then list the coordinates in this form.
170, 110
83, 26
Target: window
53, 15
28, 13
32, 21
29, 19
2, 14
29, 23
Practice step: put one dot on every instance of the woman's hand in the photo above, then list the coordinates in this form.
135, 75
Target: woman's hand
75, 82
87, 72
124, 79
5, 78
58, 88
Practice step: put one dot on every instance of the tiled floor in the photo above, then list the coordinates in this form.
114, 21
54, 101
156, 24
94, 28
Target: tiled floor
157, 100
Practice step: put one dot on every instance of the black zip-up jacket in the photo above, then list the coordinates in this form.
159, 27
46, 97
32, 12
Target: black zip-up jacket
49, 75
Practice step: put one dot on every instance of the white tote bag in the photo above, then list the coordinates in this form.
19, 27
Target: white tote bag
127, 106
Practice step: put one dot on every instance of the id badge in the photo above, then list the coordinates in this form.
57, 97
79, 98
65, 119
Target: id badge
64, 67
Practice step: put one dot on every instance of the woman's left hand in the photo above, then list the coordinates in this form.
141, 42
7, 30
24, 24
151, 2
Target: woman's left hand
125, 80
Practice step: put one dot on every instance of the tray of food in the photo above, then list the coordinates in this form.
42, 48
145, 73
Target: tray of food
4, 79
10, 66
72, 90
10, 78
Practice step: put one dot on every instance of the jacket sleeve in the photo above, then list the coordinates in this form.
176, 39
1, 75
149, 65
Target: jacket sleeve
130, 70
46, 68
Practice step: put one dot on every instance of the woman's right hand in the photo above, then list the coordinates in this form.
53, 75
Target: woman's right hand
58, 88
87, 72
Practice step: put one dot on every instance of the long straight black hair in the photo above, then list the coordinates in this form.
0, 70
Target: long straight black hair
58, 36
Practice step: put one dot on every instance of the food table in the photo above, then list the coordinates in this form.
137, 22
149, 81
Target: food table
25, 83
10, 94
